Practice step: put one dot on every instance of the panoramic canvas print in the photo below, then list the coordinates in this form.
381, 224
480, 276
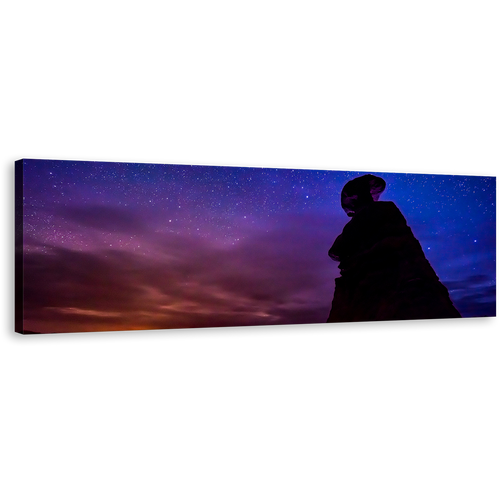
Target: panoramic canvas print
106, 246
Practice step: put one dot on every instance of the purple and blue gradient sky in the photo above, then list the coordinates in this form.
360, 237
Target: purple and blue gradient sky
118, 246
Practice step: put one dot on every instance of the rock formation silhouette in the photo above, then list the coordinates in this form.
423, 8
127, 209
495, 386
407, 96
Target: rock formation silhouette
384, 272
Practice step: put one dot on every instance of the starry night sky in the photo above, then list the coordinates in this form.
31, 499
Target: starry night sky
117, 246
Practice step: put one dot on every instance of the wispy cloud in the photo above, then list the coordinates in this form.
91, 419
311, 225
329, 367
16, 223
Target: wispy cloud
274, 277
104, 218
474, 295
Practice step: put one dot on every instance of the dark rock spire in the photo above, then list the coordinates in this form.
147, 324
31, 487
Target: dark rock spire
384, 272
